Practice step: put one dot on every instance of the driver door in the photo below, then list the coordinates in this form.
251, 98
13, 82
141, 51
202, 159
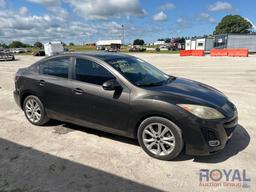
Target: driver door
94, 106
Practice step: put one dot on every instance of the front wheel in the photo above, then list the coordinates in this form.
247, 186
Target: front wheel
160, 138
34, 110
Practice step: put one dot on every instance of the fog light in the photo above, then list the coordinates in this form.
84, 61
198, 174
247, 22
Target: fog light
214, 143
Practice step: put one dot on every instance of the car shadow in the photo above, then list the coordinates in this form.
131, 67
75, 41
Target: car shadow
23, 168
63, 127
239, 141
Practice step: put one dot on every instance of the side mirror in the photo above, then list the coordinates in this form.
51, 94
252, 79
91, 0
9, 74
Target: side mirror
111, 85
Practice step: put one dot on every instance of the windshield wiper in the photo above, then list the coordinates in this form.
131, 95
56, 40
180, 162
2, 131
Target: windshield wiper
170, 78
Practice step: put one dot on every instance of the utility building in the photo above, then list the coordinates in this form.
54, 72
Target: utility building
108, 44
224, 41
236, 41
200, 44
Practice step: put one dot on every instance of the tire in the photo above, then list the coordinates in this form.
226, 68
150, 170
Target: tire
154, 142
34, 110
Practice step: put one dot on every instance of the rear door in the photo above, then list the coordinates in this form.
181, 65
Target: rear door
55, 87
94, 106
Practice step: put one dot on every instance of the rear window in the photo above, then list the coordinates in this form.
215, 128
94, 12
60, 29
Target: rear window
34, 68
58, 67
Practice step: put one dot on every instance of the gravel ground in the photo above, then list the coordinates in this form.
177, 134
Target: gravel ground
65, 157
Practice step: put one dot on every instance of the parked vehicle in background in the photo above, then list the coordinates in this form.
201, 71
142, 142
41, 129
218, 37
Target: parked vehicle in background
6, 55
53, 48
20, 50
163, 47
101, 48
66, 49
113, 49
39, 53
137, 48
125, 95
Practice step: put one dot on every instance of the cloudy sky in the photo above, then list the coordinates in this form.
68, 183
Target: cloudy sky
91, 20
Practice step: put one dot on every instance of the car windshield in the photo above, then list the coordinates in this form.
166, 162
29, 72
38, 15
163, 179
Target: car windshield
139, 72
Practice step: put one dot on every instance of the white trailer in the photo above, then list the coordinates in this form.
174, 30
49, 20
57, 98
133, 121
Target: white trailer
188, 44
193, 44
53, 48
205, 44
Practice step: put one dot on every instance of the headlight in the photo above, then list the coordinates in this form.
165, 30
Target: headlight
202, 111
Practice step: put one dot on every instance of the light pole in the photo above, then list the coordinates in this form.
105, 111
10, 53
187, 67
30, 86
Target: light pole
123, 34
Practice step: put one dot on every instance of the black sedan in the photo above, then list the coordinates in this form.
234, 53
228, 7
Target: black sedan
125, 95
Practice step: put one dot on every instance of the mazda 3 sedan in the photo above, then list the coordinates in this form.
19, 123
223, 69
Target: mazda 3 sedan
125, 95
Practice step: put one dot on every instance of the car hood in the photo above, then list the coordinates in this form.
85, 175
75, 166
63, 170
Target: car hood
193, 91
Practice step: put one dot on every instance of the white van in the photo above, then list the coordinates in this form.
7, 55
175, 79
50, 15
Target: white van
53, 48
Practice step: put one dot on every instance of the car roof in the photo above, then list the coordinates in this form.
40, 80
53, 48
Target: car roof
105, 56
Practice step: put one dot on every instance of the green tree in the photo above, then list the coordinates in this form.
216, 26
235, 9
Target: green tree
4, 45
71, 44
16, 44
167, 40
138, 42
233, 24
38, 45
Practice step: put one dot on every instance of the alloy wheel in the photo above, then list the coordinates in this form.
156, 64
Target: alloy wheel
158, 139
33, 110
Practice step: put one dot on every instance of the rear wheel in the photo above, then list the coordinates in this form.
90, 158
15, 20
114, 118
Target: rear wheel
34, 110
160, 138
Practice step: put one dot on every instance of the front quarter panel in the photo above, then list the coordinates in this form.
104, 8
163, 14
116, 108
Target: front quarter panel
153, 105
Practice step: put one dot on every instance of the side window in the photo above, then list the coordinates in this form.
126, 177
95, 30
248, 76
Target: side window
91, 72
34, 68
56, 67
200, 44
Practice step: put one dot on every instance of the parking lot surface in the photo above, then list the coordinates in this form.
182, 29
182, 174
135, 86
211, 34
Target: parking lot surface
65, 157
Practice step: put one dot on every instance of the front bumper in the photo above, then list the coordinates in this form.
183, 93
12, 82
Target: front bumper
198, 133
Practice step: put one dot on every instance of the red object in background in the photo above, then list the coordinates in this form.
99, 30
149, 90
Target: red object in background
197, 52
191, 52
238, 52
185, 53
219, 52
230, 52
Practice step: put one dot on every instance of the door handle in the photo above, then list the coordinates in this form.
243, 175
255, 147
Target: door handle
78, 91
42, 83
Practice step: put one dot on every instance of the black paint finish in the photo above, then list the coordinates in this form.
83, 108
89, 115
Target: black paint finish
121, 110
